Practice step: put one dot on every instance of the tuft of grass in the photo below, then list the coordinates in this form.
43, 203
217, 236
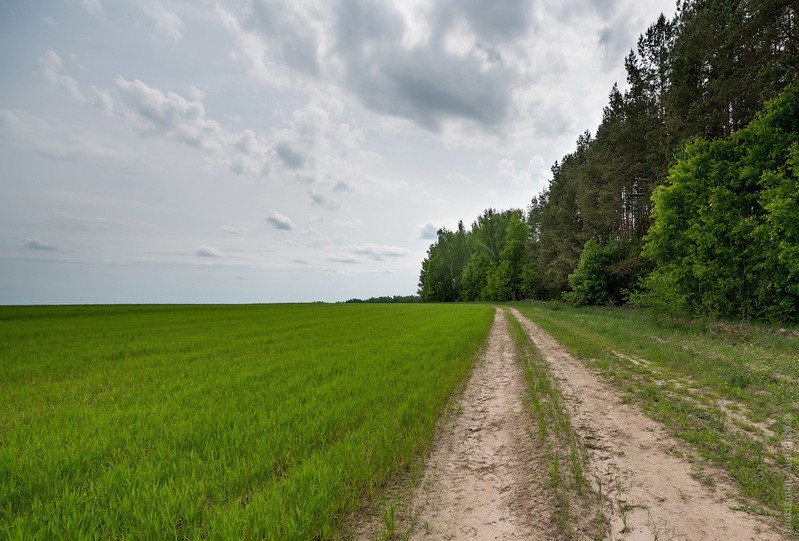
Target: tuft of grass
730, 390
260, 421
565, 452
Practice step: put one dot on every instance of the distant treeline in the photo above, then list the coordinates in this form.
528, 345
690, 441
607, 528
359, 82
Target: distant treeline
383, 300
686, 198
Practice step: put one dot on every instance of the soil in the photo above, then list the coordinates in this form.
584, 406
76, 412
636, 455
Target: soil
486, 476
480, 482
651, 489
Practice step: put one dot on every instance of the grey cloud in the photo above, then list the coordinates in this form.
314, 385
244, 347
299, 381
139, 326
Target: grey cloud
284, 26
551, 121
490, 21
606, 8
363, 52
379, 252
278, 221
342, 187
492, 55
427, 231
431, 97
426, 84
36, 244
290, 157
207, 251
321, 201
613, 45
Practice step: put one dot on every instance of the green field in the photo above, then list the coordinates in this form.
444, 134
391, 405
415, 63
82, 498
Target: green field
262, 421
730, 390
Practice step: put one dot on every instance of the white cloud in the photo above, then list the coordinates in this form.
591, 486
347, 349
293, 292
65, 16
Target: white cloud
168, 23
278, 221
233, 230
50, 66
311, 148
379, 252
93, 7
323, 202
427, 231
207, 251
185, 120
342, 259
171, 114
36, 244
534, 176
50, 69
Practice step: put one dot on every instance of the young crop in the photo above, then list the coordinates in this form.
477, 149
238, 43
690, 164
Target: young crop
272, 421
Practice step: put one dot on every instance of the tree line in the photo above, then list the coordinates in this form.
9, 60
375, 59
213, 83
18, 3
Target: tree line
685, 197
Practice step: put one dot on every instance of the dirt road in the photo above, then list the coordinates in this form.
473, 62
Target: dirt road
652, 491
487, 476
481, 482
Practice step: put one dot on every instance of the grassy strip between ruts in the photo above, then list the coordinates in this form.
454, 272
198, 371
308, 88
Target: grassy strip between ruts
575, 500
731, 391
173, 422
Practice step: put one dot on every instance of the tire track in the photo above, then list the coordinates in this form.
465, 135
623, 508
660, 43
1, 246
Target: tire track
651, 492
480, 481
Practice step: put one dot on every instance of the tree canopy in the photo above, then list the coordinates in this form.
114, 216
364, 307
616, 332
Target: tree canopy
688, 157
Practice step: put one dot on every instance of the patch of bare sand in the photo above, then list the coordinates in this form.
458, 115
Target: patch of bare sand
480, 481
651, 491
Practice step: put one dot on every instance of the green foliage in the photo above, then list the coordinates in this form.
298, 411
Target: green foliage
699, 78
217, 422
726, 226
505, 281
661, 293
605, 273
590, 281
490, 262
704, 73
442, 270
394, 299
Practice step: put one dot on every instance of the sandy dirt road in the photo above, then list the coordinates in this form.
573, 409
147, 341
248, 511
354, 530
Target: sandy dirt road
486, 477
634, 458
481, 480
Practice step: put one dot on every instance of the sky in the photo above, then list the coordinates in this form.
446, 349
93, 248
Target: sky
248, 151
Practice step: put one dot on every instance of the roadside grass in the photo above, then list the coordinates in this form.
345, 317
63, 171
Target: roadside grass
731, 391
577, 505
223, 422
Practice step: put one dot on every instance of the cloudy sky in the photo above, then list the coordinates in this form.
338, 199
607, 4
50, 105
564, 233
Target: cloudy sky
272, 151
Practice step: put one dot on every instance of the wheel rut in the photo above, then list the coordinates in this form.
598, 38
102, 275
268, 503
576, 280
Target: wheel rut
487, 475
649, 487
480, 482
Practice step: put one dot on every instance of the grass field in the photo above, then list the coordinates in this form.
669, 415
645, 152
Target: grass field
731, 391
172, 422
